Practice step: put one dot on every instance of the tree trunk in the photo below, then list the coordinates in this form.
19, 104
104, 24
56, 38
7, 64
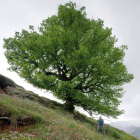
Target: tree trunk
69, 105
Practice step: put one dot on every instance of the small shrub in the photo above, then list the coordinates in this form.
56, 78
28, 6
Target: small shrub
115, 134
36, 119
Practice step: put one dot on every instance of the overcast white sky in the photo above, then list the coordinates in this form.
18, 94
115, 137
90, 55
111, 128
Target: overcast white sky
123, 16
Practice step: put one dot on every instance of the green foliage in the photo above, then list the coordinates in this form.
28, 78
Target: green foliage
36, 119
75, 58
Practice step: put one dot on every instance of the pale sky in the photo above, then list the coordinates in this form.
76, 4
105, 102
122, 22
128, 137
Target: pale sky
120, 15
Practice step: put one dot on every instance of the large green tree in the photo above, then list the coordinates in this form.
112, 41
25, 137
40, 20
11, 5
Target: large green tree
73, 57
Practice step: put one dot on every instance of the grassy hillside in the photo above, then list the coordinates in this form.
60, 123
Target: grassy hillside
34, 121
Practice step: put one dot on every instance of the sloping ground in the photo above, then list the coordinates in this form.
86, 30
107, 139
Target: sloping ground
25, 115
49, 123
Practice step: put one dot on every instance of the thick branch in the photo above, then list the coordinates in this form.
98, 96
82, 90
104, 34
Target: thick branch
51, 73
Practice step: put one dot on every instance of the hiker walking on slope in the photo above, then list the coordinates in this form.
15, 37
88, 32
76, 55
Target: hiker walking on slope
101, 125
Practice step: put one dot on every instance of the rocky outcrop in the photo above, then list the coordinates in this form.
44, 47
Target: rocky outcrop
5, 81
8, 86
2, 91
22, 93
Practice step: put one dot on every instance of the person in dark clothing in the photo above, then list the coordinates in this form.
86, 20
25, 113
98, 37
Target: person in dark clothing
101, 125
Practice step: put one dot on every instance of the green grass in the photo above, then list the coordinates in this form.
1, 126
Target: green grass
53, 124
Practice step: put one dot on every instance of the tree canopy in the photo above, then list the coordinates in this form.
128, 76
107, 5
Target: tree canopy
75, 58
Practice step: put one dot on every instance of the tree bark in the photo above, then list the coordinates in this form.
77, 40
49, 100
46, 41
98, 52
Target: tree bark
69, 105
